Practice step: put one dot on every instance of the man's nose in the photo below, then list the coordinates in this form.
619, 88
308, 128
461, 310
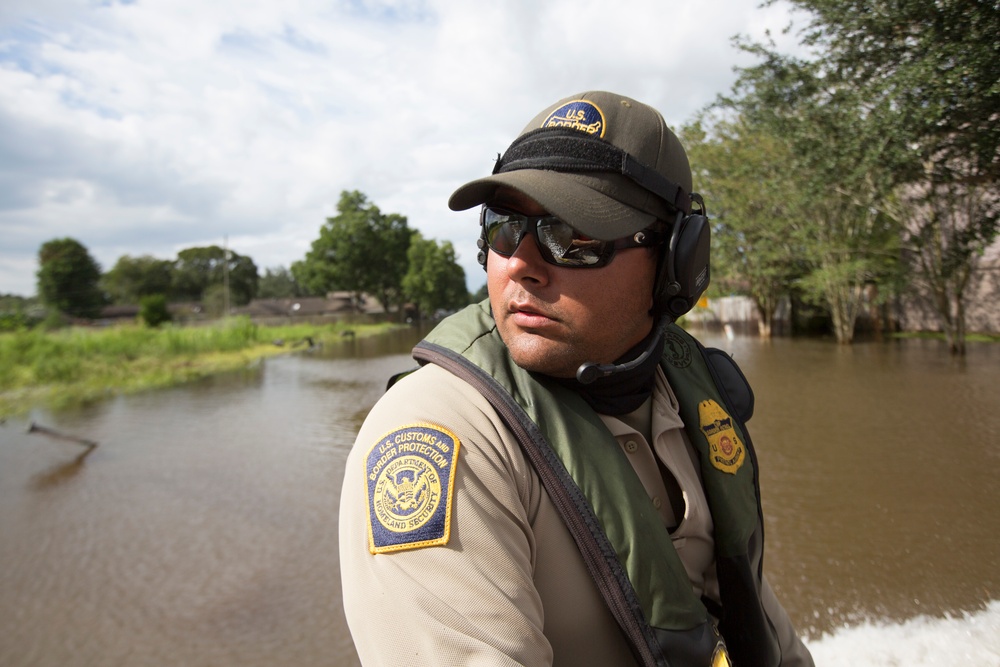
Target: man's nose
526, 262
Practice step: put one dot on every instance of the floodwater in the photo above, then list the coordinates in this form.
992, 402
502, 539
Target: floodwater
202, 530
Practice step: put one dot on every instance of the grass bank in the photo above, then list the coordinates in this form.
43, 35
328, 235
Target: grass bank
77, 365
934, 335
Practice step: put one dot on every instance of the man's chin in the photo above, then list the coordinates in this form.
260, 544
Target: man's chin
546, 364
540, 354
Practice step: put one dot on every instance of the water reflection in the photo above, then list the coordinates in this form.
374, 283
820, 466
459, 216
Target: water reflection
60, 473
879, 463
202, 530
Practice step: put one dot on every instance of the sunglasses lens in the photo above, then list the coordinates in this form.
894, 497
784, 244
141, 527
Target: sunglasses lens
503, 231
558, 243
567, 247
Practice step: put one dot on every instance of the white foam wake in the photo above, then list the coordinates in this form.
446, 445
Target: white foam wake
970, 639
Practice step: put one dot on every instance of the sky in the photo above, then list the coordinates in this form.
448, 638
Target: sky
145, 127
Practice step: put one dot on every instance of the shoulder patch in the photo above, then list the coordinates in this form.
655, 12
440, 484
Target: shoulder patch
410, 475
726, 450
676, 349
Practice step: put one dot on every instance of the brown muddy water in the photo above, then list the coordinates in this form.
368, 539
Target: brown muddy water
202, 530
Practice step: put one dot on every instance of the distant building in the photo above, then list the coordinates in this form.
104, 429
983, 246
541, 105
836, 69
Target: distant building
334, 306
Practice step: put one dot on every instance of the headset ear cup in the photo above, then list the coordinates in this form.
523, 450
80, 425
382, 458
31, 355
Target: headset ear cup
688, 272
481, 255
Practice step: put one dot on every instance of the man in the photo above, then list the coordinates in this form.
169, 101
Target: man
567, 478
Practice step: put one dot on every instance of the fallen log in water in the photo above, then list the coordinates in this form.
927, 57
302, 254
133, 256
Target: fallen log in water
36, 428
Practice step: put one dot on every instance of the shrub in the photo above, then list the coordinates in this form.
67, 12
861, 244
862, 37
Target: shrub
153, 310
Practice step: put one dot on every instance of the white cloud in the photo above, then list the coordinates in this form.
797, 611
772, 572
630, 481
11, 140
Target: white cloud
148, 127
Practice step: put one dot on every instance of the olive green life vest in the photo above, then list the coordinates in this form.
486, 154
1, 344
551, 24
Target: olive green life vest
604, 505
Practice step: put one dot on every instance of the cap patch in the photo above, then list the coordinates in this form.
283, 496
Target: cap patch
578, 115
726, 451
410, 476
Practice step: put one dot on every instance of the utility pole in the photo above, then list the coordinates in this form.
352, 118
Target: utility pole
225, 277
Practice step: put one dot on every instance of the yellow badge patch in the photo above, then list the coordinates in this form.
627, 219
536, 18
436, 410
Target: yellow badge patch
721, 657
410, 477
726, 451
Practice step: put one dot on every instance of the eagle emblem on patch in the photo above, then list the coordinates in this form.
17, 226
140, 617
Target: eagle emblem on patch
410, 475
725, 449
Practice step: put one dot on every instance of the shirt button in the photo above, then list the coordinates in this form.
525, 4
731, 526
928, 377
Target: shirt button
631, 446
657, 503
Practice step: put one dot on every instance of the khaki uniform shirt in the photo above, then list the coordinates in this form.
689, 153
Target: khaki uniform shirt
510, 587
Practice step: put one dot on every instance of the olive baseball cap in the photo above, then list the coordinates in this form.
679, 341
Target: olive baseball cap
605, 163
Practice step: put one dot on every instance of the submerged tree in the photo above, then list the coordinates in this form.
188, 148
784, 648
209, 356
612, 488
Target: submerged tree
926, 72
950, 225
752, 198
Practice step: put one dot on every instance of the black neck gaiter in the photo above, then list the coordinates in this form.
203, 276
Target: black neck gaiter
622, 392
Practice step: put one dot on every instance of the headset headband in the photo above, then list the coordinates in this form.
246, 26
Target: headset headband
569, 150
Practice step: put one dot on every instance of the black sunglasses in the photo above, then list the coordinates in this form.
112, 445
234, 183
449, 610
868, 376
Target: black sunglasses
558, 242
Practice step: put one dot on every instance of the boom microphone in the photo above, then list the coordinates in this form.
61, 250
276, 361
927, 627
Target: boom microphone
590, 371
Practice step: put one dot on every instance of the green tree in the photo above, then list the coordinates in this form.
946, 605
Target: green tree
153, 310
360, 250
132, 278
278, 283
68, 278
843, 156
197, 269
753, 200
928, 73
434, 280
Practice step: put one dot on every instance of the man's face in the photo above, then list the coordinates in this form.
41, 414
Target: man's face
552, 318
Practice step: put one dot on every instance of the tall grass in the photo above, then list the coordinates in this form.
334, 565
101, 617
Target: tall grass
80, 364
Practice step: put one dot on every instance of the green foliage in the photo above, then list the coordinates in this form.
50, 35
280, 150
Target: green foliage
756, 209
213, 300
434, 281
68, 278
132, 278
278, 283
79, 364
845, 158
935, 61
153, 310
360, 250
197, 269
54, 320
17, 312
909, 93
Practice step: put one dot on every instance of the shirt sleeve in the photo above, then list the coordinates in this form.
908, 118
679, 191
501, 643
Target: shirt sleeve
471, 601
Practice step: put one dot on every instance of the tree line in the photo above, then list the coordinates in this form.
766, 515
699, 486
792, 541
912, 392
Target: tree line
863, 172
867, 169
360, 250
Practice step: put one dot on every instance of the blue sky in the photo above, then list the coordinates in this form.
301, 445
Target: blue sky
147, 127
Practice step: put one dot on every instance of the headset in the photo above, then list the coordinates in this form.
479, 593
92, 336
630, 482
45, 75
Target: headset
684, 269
